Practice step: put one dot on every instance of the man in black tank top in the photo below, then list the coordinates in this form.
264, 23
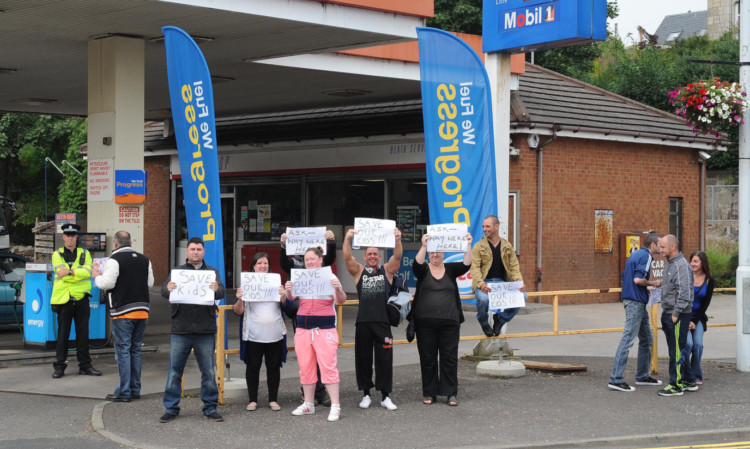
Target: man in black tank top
373, 329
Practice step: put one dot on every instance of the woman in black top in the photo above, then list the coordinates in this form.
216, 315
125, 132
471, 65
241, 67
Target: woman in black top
437, 315
703, 289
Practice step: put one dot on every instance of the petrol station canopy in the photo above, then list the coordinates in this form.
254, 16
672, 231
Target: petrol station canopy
264, 55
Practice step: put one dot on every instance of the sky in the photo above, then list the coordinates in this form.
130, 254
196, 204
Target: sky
649, 14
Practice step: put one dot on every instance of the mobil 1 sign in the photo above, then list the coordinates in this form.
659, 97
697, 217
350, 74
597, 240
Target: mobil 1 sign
518, 26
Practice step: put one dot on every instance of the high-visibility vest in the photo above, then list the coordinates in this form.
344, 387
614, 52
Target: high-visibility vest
76, 286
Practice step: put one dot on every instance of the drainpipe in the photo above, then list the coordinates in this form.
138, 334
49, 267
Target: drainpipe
702, 204
539, 197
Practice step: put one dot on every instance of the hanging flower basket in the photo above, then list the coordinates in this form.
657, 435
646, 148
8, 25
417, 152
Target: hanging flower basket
710, 107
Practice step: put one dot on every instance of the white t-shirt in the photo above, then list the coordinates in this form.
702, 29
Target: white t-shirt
263, 322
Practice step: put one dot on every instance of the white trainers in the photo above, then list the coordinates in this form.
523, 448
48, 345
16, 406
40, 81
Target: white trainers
306, 408
365, 402
387, 403
335, 412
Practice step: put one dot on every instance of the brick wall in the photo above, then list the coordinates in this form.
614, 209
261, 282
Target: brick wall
635, 181
156, 217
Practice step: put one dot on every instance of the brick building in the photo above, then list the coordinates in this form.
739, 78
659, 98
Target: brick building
599, 152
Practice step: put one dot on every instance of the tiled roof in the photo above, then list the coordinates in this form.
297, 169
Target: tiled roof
681, 26
554, 100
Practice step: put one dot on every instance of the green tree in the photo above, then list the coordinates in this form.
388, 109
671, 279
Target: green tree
26, 141
462, 16
648, 74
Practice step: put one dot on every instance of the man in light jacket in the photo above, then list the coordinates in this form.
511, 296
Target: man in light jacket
677, 305
127, 276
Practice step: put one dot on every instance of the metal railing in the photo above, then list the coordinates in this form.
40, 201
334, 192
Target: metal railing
221, 352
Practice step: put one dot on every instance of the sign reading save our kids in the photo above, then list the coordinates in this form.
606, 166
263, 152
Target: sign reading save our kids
374, 232
299, 240
312, 283
518, 26
260, 287
192, 287
505, 295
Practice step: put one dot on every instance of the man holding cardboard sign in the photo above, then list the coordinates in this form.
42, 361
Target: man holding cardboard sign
193, 328
493, 260
373, 328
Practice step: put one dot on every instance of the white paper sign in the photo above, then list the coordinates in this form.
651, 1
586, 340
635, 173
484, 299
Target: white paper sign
99, 263
299, 240
374, 232
192, 287
654, 297
314, 282
506, 295
447, 238
259, 287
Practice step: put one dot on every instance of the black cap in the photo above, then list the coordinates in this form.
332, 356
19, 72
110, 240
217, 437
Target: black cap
70, 228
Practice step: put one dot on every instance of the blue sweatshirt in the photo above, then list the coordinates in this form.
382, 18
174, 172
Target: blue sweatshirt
638, 265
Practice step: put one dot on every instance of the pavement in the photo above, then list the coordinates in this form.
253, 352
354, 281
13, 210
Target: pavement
541, 409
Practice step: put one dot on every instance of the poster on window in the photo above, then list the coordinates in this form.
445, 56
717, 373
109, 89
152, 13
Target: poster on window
603, 224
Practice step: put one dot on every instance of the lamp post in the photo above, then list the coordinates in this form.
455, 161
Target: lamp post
45, 183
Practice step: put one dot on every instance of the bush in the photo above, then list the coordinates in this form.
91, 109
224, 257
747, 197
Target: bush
723, 260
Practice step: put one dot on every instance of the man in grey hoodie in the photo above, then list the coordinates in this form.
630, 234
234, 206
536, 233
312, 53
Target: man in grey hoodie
676, 305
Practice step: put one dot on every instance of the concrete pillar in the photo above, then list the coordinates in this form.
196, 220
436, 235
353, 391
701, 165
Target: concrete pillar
743, 270
498, 72
116, 68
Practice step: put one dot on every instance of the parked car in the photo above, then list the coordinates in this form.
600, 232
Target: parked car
12, 273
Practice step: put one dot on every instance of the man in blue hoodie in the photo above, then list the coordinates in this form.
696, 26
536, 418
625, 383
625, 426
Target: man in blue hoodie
677, 308
635, 283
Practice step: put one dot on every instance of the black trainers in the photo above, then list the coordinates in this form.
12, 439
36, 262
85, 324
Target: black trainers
670, 390
214, 417
648, 381
487, 329
689, 386
622, 386
167, 417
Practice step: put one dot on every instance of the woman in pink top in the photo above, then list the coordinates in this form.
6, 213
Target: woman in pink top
316, 341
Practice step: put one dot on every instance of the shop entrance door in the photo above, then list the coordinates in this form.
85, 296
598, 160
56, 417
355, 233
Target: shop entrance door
227, 228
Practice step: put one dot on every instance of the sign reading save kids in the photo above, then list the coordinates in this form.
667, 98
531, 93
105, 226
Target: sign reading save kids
518, 26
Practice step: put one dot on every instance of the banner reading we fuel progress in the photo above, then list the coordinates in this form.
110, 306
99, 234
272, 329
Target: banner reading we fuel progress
192, 101
459, 148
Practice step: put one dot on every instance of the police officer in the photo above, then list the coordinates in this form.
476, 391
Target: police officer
70, 300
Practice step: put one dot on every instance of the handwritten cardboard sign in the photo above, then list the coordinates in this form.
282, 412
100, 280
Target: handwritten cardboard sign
447, 238
374, 232
506, 295
260, 287
299, 240
99, 263
315, 282
192, 287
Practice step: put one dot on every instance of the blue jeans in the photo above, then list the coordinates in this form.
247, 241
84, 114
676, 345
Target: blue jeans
676, 334
694, 348
483, 305
203, 346
128, 336
636, 324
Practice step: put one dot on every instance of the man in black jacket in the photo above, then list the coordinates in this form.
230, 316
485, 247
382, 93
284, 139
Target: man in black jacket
127, 276
193, 328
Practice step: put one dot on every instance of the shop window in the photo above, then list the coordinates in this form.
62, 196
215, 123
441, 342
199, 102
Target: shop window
675, 218
264, 211
335, 203
408, 206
